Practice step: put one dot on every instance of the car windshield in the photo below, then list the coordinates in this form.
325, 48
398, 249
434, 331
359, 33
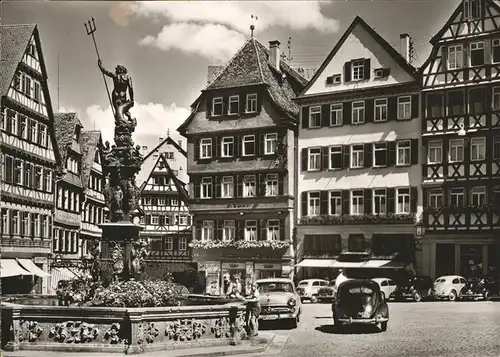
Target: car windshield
275, 287
331, 283
440, 280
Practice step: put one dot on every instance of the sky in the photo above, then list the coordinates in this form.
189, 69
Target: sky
167, 46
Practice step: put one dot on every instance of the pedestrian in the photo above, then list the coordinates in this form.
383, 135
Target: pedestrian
237, 283
340, 278
253, 311
226, 286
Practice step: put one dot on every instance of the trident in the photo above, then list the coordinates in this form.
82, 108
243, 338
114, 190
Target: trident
90, 28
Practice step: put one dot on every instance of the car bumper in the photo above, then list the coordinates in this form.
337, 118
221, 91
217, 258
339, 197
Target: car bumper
278, 316
325, 297
372, 321
471, 295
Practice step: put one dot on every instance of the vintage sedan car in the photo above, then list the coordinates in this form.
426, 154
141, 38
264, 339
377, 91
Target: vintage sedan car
308, 289
387, 286
360, 301
448, 287
478, 288
279, 300
416, 288
326, 293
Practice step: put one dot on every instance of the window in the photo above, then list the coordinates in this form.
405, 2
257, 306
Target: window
496, 194
335, 200
472, 9
270, 144
315, 117
227, 146
273, 229
37, 91
207, 232
313, 204
25, 226
357, 156
435, 152
248, 145
404, 107
22, 123
455, 57
456, 150
457, 197
206, 187
357, 68
9, 169
358, 112
379, 201
403, 152
379, 73
26, 86
228, 231
174, 202
495, 102
436, 198
47, 177
169, 243
495, 44
147, 201
403, 200
15, 222
12, 121
496, 147
234, 104
251, 230
477, 100
314, 159
477, 53
336, 114
335, 157
182, 243
478, 196
227, 189
478, 149
206, 148
161, 202
435, 105
379, 154
251, 105
456, 102
28, 174
217, 106
272, 185
18, 170
5, 222
357, 202
249, 186
380, 110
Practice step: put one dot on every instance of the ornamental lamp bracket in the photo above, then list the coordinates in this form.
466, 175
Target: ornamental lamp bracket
419, 230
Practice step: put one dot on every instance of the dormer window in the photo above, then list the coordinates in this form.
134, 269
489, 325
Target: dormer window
472, 9
234, 104
251, 103
357, 69
381, 72
217, 106
335, 79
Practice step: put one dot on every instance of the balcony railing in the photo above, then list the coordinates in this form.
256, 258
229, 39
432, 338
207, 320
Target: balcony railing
240, 244
359, 219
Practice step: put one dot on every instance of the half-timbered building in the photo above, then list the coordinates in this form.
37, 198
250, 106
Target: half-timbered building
461, 139
240, 163
358, 145
30, 156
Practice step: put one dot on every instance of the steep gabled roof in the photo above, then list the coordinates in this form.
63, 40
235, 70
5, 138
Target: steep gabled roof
91, 142
170, 141
64, 127
380, 40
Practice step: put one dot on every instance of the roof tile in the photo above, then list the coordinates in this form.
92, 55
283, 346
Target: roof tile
91, 141
64, 127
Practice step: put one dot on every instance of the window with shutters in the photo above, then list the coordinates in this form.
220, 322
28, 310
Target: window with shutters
9, 169
357, 202
435, 152
313, 208
379, 154
336, 114
476, 53
217, 106
227, 187
457, 195
273, 229
314, 159
227, 146
272, 185
248, 144
495, 101
380, 110
207, 231
478, 196
435, 107
270, 143
358, 113
251, 230
315, 117
357, 70
495, 49
357, 156
496, 147
403, 200
251, 103
12, 122
380, 201
456, 102
404, 107
478, 149
228, 231
249, 186
155, 220
169, 243
436, 198
456, 151
335, 158
335, 203
206, 148
403, 152
234, 104
455, 57
18, 172
182, 243
206, 187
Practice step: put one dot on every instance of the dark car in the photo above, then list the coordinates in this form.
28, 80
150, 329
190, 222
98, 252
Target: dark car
326, 293
416, 288
478, 288
360, 301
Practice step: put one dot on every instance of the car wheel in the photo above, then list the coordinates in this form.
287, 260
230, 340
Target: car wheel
417, 297
314, 299
383, 326
452, 296
487, 295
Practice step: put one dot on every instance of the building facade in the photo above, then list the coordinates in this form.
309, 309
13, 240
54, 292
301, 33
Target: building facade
240, 163
30, 157
461, 139
358, 152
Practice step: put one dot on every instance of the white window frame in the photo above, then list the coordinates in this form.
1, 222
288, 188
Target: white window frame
247, 139
251, 230
436, 195
206, 184
313, 209
233, 99
251, 103
206, 145
455, 57
478, 194
227, 142
403, 146
495, 100
317, 159
161, 201
357, 156
358, 70
228, 230
169, 243
358, 112
334, 150
480, 145
182, 243
207, 230
334, 202
272, 185
155, 219
217, 101
270, 140
227, 187
456, 150
378, 147
336, 117
404, 107
358, 202
477, 46
380, 110
273, 229
173, 202
249, 186
437, 146
455, 194
315, 111
381, 195
404, 193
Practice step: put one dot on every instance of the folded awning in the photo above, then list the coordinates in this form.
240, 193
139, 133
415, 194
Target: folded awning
31, 267
376, 263
317, 263
10, 267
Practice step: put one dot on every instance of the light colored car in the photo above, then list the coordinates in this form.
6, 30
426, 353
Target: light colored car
308, 289
448, 287
387, 286
279, 300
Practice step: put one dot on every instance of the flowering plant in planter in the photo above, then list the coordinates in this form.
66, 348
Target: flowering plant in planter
389, 218
240, 244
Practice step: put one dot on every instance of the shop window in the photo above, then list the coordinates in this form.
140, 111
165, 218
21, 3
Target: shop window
356, 243
471, 260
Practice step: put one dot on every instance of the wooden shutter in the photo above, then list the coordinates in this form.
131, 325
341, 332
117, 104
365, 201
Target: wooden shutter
262, 145
196, 149
240, 230
243, 103
235, 186
444, 58
305, 117
237, 146
367, 202
391, 201
413, 199
218, 227
282, 230
259, 102
368, 159
261, 185
256, 145
345, 202
347, 113
414, 151
161, 220
324, 202
346, 156
391, 153
304, 204
225, 105
147, 219
367, 69
325, 115
386, 72
197, 188
239, 186
414, 105
281, 184
392, 108
324, 157
218, 186
262, 229
347, 72
304, 159
197, 230
369, 110
215, 147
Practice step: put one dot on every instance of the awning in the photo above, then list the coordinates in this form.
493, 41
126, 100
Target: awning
348, 264
376, 263
396, 265
31, 267
317, 263
59, 274
10, 267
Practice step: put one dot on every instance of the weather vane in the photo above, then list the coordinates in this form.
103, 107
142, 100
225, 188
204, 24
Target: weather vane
252, 27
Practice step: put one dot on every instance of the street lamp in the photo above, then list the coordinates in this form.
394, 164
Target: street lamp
419, 234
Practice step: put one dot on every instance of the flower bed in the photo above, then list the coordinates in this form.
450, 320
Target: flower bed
359, 219
240, 244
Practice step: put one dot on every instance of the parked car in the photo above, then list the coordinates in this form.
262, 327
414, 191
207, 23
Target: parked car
448, 287
387, 286
416, 288
308, 289
360, 301
478, 288
279, 300
326, 293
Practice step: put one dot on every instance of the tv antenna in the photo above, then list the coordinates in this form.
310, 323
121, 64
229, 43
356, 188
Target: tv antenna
289, 48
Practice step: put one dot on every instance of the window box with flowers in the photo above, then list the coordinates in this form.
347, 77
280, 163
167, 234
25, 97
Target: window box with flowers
359, 219
240, 244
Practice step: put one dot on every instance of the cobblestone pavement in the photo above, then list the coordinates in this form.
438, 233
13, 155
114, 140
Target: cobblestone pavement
449, 329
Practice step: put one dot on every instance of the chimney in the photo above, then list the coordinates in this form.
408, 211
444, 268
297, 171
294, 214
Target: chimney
404, 48
274, 53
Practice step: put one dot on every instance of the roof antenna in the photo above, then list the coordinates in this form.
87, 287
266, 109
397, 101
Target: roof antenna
168, 132
289, 47
58, 96
252, 27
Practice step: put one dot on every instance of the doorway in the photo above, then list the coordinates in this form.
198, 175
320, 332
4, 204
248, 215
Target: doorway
445, 259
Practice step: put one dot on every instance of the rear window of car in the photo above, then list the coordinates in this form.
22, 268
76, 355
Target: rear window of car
363, 290
303, 283
440, 280
455, 281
